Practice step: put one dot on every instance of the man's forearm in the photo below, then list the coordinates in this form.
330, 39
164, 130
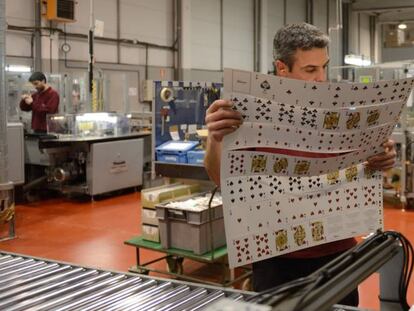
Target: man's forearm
24, 106
212, 160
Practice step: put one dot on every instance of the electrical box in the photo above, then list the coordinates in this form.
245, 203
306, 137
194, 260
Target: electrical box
62, 11
148, 90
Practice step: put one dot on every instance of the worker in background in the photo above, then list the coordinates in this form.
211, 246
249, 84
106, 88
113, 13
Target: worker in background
300, 52
45, 101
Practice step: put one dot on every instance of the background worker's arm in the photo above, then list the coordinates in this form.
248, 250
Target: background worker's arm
220, 120
385, 160
26, 102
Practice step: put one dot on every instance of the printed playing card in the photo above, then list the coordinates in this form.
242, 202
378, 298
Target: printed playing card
264, 245
241, 81
241, 250
242, 105
282, 240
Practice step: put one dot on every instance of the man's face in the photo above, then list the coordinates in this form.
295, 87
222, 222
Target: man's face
308, 65
39, 85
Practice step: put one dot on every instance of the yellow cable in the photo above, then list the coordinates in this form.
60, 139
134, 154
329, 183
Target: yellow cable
94, 97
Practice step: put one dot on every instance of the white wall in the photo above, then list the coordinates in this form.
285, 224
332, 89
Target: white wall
205, 20
152, 21
359, 34
238, 34
275, 20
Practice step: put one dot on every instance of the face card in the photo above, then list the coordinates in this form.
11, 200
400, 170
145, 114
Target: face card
281, 240
373, 116
300, 236
280, 164
258, 163
318, 231
331, 120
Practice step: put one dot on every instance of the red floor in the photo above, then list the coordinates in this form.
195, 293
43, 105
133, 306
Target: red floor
92, 234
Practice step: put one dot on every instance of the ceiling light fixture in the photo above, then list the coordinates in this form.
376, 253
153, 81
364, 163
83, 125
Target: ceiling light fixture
402, 26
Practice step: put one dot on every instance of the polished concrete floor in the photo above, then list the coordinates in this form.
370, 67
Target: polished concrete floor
92, 234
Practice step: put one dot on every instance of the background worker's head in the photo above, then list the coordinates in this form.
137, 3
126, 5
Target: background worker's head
38, 80
300, 52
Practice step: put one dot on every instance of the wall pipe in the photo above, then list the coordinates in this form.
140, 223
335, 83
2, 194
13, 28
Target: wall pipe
90, 41
221, 35
100, 39
6, 187
37, 37
179, 39
118, 30
3, 105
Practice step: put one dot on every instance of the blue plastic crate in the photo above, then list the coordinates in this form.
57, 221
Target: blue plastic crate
196, 157
175, 151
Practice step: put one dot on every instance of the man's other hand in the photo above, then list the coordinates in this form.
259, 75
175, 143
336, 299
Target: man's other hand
27, 99
385, 160
221, 119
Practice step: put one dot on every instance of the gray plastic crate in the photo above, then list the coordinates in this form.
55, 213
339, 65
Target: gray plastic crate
190, 230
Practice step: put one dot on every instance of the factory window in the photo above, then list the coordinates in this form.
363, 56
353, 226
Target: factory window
394, 36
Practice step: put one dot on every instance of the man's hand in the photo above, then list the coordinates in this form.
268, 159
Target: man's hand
385, 160
221, 119
27, 99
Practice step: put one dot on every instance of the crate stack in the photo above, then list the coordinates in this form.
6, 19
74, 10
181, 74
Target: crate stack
191, 217
157, 195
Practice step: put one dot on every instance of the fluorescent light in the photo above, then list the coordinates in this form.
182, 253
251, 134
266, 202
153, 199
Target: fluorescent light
357, 60
402, 26
18, 68
96, 116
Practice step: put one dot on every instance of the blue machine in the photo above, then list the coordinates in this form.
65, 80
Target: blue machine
178, 103
175, 151
182, 106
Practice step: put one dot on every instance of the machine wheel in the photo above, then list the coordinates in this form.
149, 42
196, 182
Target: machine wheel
247, 284
141, 271
175, 264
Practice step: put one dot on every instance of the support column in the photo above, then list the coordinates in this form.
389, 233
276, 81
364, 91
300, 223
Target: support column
6, 187
263, 40
184, 32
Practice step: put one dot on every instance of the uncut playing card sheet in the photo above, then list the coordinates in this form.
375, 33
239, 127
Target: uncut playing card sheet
292, 175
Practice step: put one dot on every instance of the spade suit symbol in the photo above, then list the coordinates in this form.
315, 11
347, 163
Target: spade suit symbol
265, 85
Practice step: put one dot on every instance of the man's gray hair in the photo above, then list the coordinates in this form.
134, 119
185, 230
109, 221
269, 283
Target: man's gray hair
292, 37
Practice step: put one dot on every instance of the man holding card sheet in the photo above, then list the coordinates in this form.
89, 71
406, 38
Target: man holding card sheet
300, 52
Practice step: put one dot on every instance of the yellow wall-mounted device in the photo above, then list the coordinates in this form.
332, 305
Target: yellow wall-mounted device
62, 11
